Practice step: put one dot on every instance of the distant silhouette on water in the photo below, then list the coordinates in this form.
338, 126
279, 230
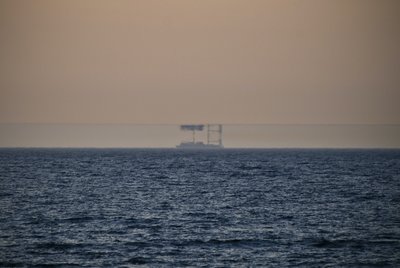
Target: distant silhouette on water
214, 137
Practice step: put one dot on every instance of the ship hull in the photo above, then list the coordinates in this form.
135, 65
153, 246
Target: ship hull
198, 146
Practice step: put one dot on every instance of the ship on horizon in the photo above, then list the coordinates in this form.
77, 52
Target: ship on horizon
214, 137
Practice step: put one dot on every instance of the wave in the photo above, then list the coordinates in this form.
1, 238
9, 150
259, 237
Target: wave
338, 243
60, 245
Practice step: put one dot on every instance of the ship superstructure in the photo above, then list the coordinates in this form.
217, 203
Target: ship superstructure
214, 137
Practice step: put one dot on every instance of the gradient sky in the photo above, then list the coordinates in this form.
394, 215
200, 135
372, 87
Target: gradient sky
190, 61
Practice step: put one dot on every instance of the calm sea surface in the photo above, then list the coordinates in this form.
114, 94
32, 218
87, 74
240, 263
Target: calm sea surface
170, 208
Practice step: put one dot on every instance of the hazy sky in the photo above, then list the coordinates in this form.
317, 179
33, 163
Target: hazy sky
184, 61
261, 136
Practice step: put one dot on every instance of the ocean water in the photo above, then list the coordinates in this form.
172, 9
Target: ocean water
226, 208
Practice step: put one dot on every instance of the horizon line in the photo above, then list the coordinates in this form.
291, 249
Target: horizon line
185, 150
225, 124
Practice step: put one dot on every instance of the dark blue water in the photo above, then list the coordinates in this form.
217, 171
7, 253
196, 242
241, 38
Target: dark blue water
169, 208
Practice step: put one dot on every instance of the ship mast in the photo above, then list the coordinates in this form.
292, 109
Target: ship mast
214, 134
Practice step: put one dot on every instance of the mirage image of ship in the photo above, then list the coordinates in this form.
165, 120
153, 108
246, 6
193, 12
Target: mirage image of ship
214, 137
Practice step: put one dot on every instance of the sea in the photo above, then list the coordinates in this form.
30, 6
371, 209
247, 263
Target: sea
215, 208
